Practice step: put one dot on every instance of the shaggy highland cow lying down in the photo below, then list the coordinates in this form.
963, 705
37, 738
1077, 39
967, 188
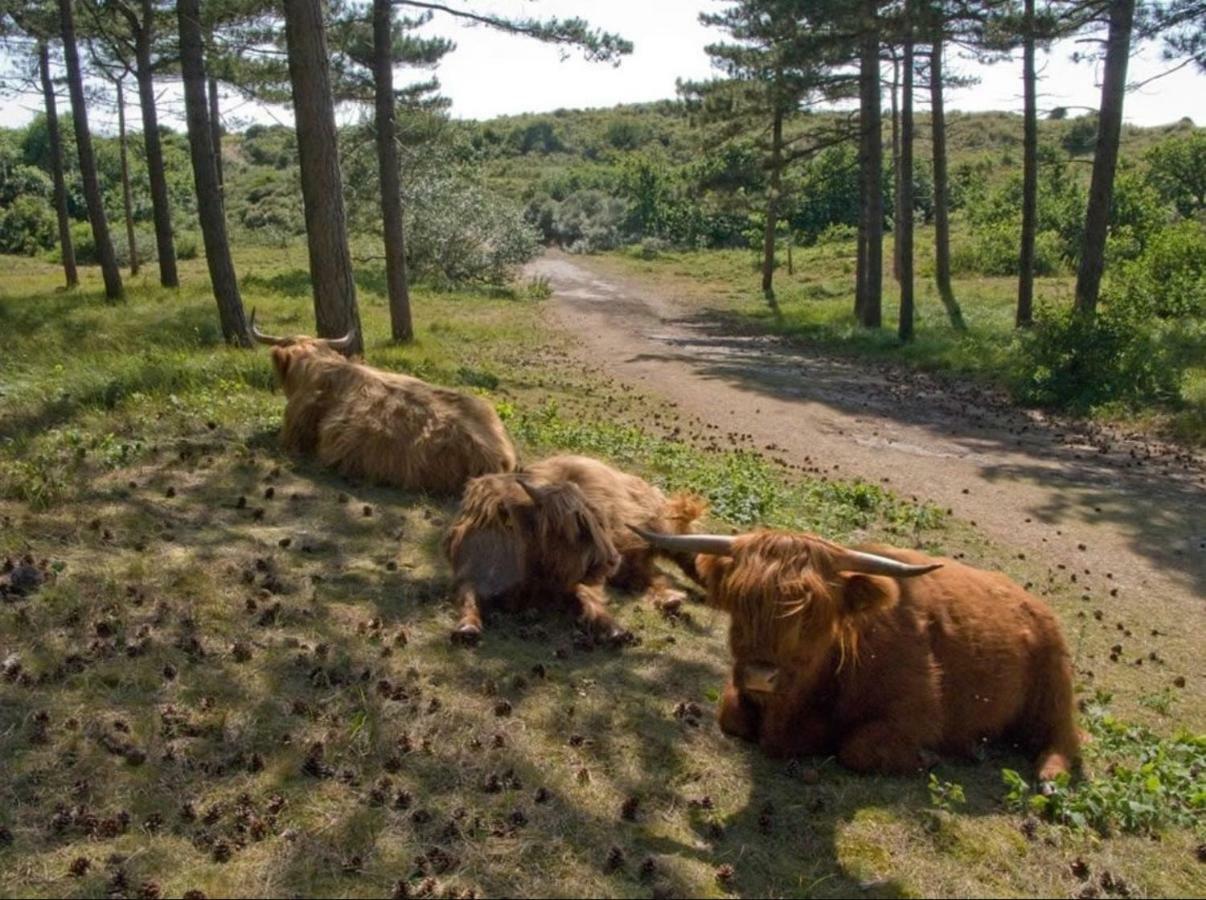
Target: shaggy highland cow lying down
386, 427
882, 657
555, 534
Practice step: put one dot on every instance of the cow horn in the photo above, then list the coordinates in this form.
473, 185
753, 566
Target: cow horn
713, 544
871, 564
260, 336
342, 343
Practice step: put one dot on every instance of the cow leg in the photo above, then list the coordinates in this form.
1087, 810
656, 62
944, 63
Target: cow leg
737, 715
595, 615
787, 731
883, 746
468, 630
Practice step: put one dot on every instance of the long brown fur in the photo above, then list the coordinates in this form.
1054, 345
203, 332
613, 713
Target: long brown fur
885, 671
386, 427
510, 549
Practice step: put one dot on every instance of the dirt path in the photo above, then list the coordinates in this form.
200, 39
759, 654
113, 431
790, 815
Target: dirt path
1085, 500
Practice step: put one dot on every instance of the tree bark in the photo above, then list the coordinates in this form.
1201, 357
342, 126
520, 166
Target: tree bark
1025, 310
772, 208
66, 248
164, 243
904, 205
1105, 158
205, 178
942, 221
215, 121
895, 168
871, 278
83, 142
322, 184
401, 326
126, 200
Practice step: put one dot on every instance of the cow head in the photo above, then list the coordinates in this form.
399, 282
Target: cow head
510, 531
288, 351
791, 595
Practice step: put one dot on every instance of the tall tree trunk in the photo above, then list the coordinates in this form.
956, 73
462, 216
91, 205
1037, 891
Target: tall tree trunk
205, 178
1025, 310
904, 205
895, 168
215, 120
83, 142
127, 201
870, 120
942, 220
772, 208
322, 185
401, 326
1105, 158
164, 245
66, 248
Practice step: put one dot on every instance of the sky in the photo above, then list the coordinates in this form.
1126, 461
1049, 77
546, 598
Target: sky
491, 73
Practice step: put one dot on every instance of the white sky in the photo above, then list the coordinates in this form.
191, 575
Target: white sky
494, 74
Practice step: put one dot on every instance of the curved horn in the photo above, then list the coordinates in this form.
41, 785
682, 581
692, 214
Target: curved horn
343, 343
871, 564
713, 544
262, 338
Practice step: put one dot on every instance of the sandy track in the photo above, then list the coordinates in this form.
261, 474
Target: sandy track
1077, 497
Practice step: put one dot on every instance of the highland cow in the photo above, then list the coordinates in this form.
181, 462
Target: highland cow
386, 427
883, 657
555, 534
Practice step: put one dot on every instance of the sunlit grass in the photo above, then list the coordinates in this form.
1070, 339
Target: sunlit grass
237, 677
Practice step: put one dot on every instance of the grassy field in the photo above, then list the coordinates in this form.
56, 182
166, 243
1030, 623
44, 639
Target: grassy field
815, 306
234, 676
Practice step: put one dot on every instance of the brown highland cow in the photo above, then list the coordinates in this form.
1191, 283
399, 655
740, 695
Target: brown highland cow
386, 427
882, 657
555, 534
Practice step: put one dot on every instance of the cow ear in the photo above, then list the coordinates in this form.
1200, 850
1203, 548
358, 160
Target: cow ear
862, 594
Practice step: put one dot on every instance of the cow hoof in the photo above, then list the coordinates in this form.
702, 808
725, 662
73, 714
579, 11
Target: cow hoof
467, 635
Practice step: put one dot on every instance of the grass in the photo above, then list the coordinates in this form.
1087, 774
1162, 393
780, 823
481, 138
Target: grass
815, 306
236, 677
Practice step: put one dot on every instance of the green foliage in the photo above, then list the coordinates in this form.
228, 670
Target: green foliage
27, 225
1142, 782
459, 232
1079, 363
588, 221
945, 795
1168, 279
1177, 169
1081, 136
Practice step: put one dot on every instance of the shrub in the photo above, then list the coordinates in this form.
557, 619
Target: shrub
457, 232
1075, 362
1168, 279
588, 221
996, 250
27, 225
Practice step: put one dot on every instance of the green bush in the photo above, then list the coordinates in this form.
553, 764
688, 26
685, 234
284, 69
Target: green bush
996, 250
1168, 279
1078, 363
589, 221
27, 225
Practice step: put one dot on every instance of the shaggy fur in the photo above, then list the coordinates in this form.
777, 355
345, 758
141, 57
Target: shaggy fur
386, 427
886, 671
560, 541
